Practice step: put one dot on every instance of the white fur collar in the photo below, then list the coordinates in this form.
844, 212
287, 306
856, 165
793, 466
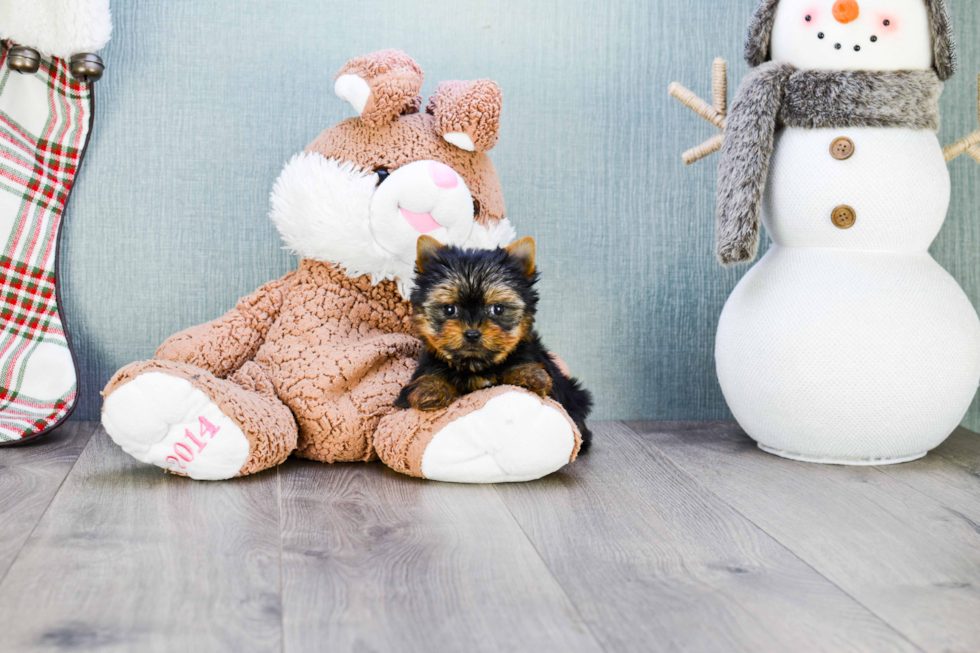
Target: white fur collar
321, 208
58, 28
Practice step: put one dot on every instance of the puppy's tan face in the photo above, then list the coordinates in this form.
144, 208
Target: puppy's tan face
474, 325
474, 307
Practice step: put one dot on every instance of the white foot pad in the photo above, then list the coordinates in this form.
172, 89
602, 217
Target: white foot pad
165, 421
513, 438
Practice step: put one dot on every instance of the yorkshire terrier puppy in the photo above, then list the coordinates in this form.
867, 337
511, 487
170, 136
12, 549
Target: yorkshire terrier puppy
474, 309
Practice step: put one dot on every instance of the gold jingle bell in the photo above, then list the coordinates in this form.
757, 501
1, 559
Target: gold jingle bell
23, 59
86, 67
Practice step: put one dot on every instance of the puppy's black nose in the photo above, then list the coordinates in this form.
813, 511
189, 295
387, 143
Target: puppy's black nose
472, 335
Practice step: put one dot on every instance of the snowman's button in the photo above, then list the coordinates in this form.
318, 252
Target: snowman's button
842, 148
843, 217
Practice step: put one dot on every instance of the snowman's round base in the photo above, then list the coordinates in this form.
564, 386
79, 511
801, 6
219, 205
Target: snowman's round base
853, 462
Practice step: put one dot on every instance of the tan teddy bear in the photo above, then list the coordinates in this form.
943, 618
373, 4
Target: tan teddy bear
312, 362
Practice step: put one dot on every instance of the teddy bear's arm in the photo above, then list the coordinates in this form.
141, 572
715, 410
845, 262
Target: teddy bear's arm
224, 345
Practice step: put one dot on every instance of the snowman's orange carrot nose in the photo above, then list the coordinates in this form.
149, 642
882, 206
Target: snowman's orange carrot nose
846, 11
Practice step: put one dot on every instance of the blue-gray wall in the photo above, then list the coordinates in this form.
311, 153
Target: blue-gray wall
203, 102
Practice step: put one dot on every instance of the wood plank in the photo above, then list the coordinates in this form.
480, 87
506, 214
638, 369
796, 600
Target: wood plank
656, 562
950, 474
908, 558
376, 561
30, 476
128, 558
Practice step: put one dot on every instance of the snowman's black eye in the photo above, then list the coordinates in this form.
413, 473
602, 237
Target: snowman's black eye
809, 18
887, 23
382, 175
874, 39
820, 35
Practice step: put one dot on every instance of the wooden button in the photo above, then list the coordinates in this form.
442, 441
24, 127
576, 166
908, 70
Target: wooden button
843, 217
842, 148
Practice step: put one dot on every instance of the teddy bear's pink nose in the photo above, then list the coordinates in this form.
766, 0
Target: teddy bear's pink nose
443, 175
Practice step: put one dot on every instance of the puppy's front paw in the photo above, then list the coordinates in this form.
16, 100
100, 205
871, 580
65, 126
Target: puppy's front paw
531, 376
430, 393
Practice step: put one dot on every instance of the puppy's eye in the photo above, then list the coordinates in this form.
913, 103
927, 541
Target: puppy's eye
497, 310
382, 175
449, 310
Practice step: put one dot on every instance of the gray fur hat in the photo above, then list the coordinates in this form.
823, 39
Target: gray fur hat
760, 30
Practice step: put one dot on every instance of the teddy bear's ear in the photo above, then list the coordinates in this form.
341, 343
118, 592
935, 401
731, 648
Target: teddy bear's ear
380, 86
468, 113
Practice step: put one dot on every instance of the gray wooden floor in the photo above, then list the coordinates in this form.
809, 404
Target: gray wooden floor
672, 536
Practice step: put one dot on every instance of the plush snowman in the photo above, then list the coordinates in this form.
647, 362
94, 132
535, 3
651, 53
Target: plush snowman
846, 343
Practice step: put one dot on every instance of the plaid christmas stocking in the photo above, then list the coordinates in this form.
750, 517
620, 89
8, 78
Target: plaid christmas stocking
45, 120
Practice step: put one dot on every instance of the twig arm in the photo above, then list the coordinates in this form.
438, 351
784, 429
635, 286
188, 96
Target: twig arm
714, 113
968, 145
697, 105
974, 152
706, 148
719, 75
961, 146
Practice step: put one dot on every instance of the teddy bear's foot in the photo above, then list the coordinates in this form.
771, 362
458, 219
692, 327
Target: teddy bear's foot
165, 421
502, 435
165, 418
513, 438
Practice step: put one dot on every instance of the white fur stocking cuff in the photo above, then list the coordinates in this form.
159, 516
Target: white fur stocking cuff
58, 28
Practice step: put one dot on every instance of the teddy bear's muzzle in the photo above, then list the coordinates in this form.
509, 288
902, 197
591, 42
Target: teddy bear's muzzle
422, 197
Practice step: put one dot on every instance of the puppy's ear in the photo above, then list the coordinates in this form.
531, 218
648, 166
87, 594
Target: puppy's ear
522, 252
426, 248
